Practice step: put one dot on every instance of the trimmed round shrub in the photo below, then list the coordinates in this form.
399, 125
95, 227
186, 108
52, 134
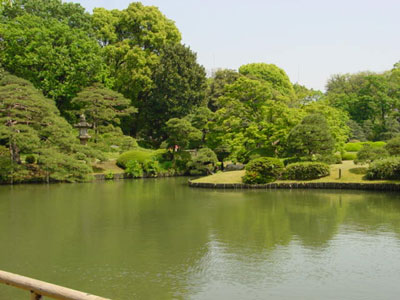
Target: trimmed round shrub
393, 146
307, 170
30, 159
263, 170
387, 168
203, 163
368, 154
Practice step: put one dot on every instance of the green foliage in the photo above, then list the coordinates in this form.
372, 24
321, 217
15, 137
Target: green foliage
263, 170
329, 159
134, 40
72, 14
32, 124
349, 155
57, 59
372, 100
203, 163
312, 136
151, 168
356, 131
30, 159
306, 96
388, 168
141, 155
368, 154
271, 74
307, 171
109, 175
181, 161
62, 167
102, 106
6, 164
335, 118
179, 85
134, 169
113, 140
216, 86
393, 146
180, 132
355, 147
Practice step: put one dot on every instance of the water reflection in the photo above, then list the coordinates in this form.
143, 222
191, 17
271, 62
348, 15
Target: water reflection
159, 239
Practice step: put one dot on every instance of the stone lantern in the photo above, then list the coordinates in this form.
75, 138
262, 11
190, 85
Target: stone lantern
83, 129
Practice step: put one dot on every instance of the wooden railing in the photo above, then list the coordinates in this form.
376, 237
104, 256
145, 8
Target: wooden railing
38, 288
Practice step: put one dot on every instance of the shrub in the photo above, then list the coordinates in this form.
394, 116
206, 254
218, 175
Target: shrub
30, 159
355, 147
181, 160
368, 154
349, 155
290, 160
134, 169
307, 170
141, 155
330, 159
203, 163
263, 170
166, 165
151, 168
387, 168
393, 146
109, 175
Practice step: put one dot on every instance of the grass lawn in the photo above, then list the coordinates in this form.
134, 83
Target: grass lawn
107, 166
350, 173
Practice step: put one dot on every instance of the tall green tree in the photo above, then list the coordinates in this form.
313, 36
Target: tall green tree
312, 136
181, 133
275, 76
132, 40
56, 58
72, 14
102, 106
179, 87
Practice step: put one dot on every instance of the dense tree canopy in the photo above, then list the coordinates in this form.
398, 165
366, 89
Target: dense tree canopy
372, 100
72, 14
57, 59
272, 74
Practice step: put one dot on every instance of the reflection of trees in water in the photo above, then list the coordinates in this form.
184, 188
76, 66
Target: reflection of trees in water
378, 212
157, 238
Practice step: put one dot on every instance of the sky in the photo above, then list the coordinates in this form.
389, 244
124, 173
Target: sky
310, 39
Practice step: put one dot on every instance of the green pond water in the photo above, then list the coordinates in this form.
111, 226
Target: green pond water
160, 239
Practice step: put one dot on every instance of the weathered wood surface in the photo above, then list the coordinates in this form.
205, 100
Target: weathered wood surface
39, 288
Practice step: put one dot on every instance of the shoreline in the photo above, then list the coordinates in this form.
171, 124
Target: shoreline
301, 185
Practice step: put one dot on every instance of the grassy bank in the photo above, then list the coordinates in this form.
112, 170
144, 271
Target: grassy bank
351, 173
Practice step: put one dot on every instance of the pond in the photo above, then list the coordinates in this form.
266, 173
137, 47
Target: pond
160, 239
